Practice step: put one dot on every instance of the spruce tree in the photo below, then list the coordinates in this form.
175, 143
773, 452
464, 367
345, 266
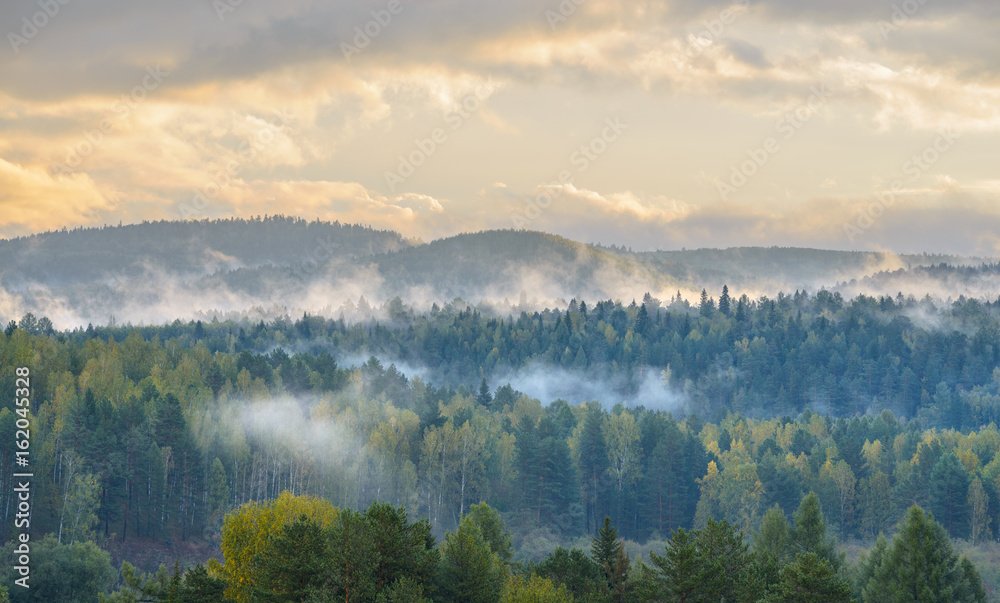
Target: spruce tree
724, 558
470, 571
810, 579
605, 546
706, 306
771, 542
949, 490
725, 303
809, 532
921, 566
680, 570
485, 398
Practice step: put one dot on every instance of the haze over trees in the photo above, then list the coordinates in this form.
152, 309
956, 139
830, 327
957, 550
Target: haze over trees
805, 447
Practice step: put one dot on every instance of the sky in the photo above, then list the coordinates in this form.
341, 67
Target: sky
857, 124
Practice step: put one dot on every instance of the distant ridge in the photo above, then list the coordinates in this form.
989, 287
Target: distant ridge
157, 271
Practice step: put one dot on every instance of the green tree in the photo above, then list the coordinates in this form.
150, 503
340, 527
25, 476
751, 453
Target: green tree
809, 533
772, 541
593, 461
402, 549
353, 560
679, 573
609, 553
470, 571
77, 573
706, 306
484, 398
247, 531
573, 568
725, 302
979, 516
876, 504
80, 502
404, 590
810, 579
971, 587
218, 492
605, 545
724, 558
492, 527
921, 565
949, 491
201, 587
290, 567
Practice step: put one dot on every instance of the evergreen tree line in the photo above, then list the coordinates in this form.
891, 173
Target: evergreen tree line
142, 438
760, 357
297, 549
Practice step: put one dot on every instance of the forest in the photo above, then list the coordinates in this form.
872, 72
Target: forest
813, 443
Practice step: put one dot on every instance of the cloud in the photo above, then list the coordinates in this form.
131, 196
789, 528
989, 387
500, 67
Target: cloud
921, 219
29, 197
699, 79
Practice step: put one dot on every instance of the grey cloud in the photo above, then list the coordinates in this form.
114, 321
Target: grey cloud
748, 53
101, 46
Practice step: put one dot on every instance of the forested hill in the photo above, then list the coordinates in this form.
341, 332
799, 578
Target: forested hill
501, 263
153, 273
85, 255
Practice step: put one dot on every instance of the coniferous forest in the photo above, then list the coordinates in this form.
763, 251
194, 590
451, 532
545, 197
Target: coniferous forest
803, 448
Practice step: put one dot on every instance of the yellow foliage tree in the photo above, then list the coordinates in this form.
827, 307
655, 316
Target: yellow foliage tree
248, 529
534, 590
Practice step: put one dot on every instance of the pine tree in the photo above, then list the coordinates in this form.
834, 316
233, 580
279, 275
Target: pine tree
291, 567
470, 571
724, 558
581, 575
971, 588
353, 558
200, 587
485, 398
605, 546
402, 549
679, 571
810, 579
949, 491
809, 532
725, 303
706, 306
593, 463
492, 527
921, 565
869, 565
771, 542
